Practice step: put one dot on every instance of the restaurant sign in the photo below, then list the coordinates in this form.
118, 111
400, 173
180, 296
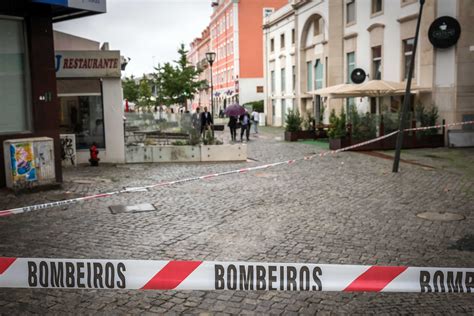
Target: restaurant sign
87, 64
88, 5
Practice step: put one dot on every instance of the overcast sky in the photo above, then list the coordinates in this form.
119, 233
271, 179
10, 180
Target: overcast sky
144, 30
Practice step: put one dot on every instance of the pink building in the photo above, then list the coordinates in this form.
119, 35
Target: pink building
236, 36
197, 56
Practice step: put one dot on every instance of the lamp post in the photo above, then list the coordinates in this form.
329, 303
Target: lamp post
406, 101
211, 57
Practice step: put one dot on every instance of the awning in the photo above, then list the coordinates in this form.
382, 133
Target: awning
324, 92
375, 88
63, 10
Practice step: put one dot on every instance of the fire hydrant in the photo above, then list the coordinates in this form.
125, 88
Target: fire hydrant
94, 153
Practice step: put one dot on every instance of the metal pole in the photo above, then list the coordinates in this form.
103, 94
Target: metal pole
406, 101
212, 94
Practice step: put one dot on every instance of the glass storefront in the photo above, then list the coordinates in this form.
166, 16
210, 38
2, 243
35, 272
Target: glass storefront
14, 78
82, 113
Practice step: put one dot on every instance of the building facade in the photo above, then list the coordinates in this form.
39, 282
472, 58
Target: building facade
90, 97
310, 45
30, 106
197, 56
236, 38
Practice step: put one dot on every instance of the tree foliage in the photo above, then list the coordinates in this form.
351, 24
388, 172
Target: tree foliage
130, 89
178, 82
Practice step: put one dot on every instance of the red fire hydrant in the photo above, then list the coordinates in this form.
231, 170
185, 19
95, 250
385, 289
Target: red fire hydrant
94, 153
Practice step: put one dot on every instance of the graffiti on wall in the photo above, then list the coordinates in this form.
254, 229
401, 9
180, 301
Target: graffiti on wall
23, 162
68, 149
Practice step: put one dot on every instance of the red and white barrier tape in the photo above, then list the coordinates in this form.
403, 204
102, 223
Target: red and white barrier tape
30, 208
206, 275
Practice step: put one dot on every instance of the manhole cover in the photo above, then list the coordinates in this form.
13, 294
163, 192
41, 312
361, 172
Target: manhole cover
442, 216
139, 208
464, 244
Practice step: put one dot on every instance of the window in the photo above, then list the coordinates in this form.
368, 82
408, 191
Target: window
293, 76
350, 59
283, 110
272, 45
14, 78
318, 74
283, 81
377, 6
293, 36
317, 26
272, 78
350, 11
282, 41
377, 62
309, 76
273, 111
82, 113
407, 56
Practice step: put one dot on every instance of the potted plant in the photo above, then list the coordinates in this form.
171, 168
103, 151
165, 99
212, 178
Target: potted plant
292, 125
337, 131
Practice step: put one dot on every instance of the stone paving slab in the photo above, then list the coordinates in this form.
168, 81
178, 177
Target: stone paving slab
341, 209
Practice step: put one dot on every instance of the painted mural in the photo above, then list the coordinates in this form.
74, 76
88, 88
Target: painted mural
23, 162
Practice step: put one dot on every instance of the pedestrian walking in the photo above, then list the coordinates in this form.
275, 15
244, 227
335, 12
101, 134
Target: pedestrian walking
255, 118
196, 120
233, 127
206, 120
245, 125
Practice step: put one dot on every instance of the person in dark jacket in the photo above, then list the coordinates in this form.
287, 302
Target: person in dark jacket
206, 120
233, 127
245, 125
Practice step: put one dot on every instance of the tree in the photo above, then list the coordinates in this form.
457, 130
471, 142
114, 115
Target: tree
130, 89
176, 84
144, 89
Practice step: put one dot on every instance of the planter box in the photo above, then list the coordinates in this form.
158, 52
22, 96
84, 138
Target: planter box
207, 153
214, 153
294, 136
409, 142
338, 143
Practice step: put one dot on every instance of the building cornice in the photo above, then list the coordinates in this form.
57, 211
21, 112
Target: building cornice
279, 19
375, 25
350, 35
407, 18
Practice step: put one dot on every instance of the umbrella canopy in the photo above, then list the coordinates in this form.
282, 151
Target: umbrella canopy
324, 92
235, 110
372, 88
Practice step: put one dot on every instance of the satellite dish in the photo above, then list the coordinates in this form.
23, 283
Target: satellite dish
358, 75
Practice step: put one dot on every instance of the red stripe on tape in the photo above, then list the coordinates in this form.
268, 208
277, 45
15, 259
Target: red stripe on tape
5, 263
171, 275
375, 279
5, 213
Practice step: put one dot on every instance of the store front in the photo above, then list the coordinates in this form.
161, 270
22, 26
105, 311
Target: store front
90, 96
29, 103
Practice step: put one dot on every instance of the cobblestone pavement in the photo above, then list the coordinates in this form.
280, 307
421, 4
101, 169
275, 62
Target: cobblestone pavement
342, 209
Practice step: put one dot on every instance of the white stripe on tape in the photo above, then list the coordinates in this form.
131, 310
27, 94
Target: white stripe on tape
207, 275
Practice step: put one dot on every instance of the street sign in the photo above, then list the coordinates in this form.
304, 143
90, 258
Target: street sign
444, 32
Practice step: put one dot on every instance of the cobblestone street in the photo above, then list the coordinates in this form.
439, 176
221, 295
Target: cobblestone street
343, 209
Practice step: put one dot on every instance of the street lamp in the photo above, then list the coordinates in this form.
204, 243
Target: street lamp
211, 57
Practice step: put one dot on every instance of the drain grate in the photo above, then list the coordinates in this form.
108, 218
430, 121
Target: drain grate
139, 208
464, 244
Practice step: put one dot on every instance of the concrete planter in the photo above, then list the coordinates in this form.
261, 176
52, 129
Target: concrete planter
202, 153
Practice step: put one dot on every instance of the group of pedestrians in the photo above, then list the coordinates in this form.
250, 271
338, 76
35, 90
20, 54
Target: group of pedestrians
243, 121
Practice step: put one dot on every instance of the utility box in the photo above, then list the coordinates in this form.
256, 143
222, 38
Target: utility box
29, 162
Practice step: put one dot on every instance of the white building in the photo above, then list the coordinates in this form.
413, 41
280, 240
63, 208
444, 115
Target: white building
314, 44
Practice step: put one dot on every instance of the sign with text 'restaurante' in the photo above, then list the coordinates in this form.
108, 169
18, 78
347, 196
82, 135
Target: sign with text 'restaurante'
88, 5
87, 64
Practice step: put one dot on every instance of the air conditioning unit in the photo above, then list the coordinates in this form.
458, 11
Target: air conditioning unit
29, 162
